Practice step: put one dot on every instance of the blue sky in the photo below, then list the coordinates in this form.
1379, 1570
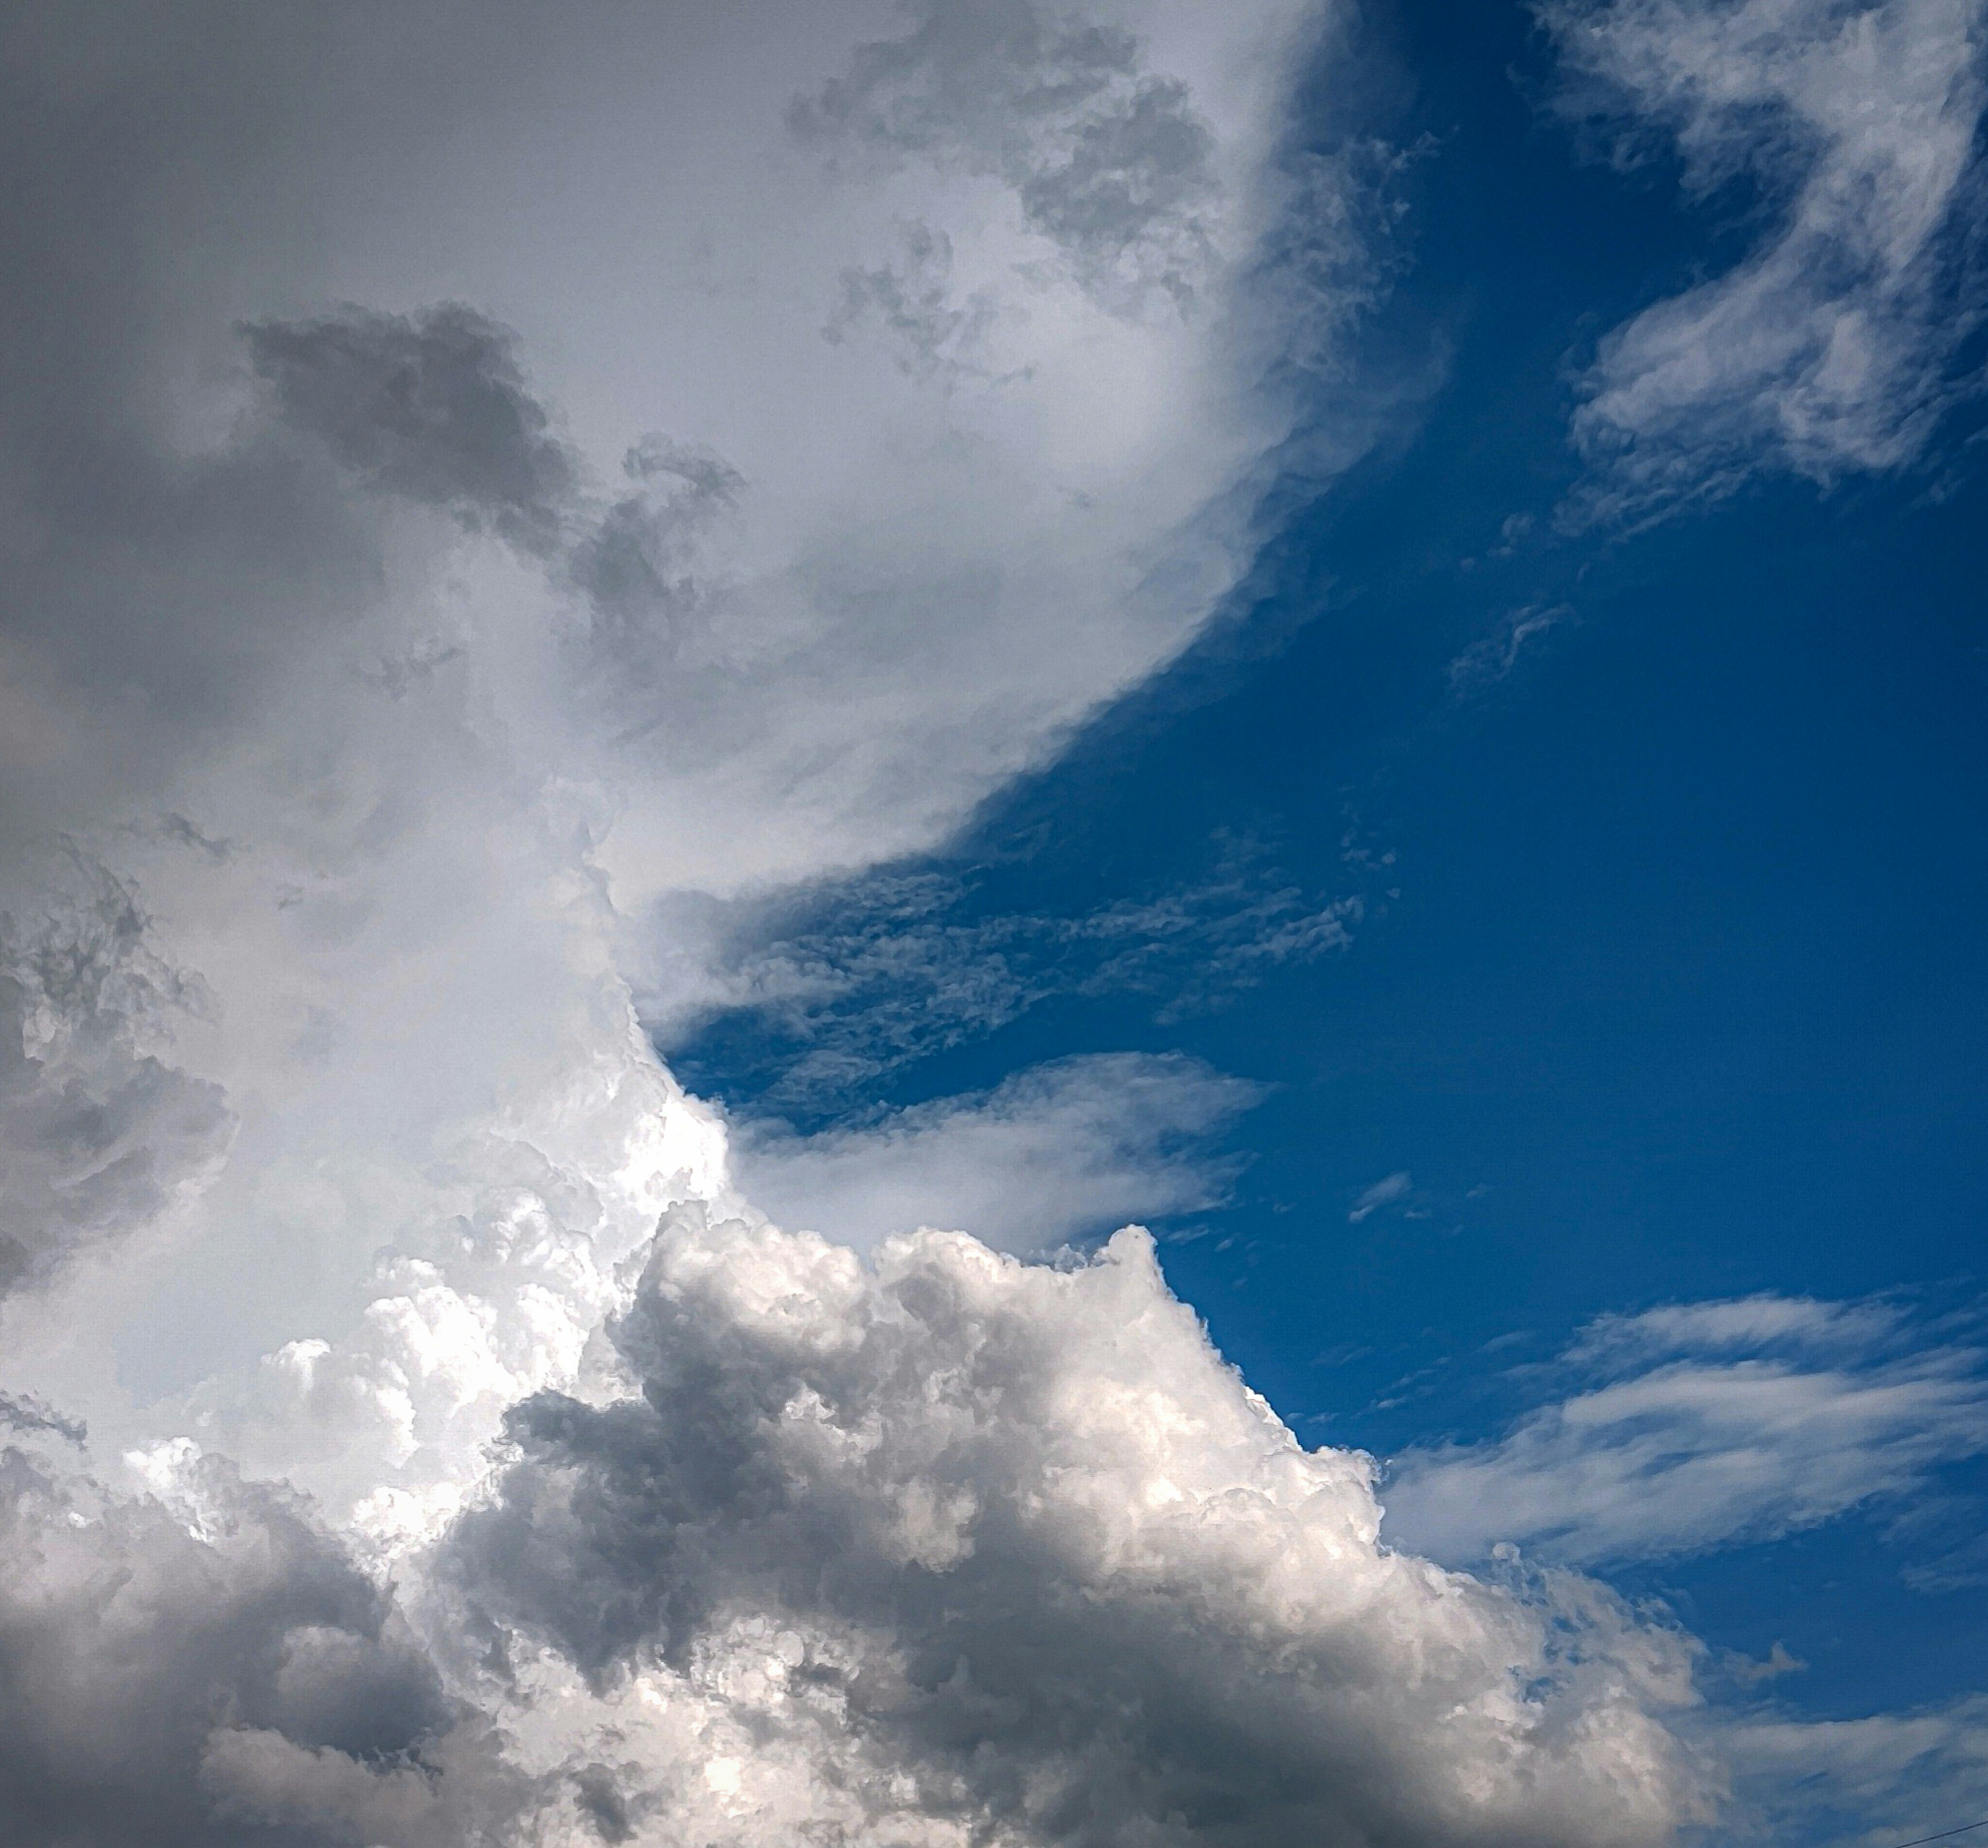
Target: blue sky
1669, 846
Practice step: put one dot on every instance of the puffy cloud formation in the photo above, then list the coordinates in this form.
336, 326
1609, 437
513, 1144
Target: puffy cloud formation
1828, 348
204, 1666
400, 657
1702, 1424
959, 1549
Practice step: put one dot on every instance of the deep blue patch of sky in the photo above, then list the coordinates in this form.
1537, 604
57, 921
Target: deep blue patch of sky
1681, 992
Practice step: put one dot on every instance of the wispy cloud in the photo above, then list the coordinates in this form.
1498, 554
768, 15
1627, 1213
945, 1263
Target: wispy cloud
1704, 1424
1055, 1154
1869, 1782
883, 971
1826, 348
1486, 662
1386, 1192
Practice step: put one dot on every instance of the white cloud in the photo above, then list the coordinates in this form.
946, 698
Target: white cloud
1826, 348
1384, 1192
1700, 1425
1867, 1782
962, 1549
395, 658
1059, 1153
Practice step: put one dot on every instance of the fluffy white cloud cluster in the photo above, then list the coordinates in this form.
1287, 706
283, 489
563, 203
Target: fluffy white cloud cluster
391, 680
959, 1549
1828, 348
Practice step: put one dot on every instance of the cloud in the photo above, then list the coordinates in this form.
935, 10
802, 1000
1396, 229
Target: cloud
1873, 1781
569, 572
174, 1674
1701, 1425
1058, 1152
1384, 1192
965, 1548
822, 992
1109, 161
1826, 350
100, 1136
360, 593
1486, 662
431, 407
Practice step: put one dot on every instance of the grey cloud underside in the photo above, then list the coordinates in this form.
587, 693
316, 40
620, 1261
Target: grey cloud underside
911, 300
160, 1690
431, 407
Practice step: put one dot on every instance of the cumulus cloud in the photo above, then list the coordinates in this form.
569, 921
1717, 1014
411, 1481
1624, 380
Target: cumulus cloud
406, 657
1700, 1424
1826, 348
179, 1666
1057, 1153
961, 1548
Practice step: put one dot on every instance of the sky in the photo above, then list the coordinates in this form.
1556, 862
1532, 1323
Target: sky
981, 923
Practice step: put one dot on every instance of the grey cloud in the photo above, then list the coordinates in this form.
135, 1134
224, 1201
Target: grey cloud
1109, 161
432, 406
165, 1687
99, 1134
1701, 1424
1007, 1551
24, 1412
637, 565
